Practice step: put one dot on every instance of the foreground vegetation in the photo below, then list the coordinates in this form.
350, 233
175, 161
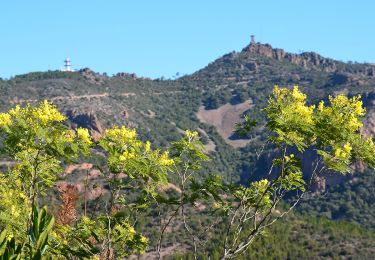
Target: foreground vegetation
301, 237
136, 175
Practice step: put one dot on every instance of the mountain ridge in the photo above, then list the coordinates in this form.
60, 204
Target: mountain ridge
162, 109
96, 100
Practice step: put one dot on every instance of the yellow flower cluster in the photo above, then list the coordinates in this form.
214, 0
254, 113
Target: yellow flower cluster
124, 231
299, 105
369, 142
143, 239
5, 119
86, 221
343, 153
288, 158
69, 136
284, 93
350, 110
295, 102
165, 160
9, 236
353, 104
14, 202
14, 211
147, 146
339, 153
133, 152
130, 230
16, 111
122, 133
261, 185
84, 135
359, 110
294, 137
297, 94
321, 106
127, 155
191, 134
279, 93
354, 123
305, 112
347, 147
47, 112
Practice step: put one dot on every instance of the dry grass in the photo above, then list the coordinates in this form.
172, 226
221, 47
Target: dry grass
224, 119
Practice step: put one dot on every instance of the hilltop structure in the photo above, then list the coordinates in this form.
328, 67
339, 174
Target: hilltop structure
252, 42
67, 65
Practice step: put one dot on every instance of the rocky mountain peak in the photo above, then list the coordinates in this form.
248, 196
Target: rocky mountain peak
305, 59
91, 76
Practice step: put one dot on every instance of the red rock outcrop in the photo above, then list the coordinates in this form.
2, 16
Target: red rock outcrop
305, 59
87, 120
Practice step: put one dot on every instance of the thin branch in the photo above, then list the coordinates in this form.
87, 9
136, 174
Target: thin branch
85, 192
164, 228
189, 231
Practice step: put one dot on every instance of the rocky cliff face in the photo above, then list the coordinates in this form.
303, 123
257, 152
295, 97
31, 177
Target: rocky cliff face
91, 76
87, 120
305, 59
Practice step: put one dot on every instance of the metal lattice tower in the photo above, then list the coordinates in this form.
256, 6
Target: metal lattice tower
68, 65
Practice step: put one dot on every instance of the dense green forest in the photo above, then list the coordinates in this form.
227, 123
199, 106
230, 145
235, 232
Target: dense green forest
350, 201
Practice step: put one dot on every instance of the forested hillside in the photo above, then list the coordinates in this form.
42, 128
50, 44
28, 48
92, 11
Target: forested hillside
211, 101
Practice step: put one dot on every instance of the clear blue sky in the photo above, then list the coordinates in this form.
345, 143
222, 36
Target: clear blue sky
159, 38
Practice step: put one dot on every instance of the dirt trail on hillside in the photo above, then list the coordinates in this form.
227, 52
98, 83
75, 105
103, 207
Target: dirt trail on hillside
88, 96
73, 97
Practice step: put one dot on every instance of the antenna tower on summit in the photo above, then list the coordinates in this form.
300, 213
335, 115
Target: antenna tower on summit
67, 65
